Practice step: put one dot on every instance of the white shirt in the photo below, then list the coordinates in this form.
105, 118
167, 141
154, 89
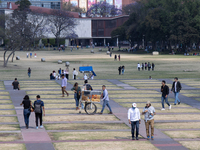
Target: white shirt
64, 82
134, 114
175, 86
138, 65
85, 77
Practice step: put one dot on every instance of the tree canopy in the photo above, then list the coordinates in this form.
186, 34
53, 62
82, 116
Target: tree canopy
23, 5
175, 22
70, 7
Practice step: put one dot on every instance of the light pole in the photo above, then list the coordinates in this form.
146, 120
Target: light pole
143, 41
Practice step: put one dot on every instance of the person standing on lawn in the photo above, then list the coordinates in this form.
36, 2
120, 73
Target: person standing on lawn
149, 112
16, 85
29, 72
105, 99
153, 66
27, 109
77, 94
39, 110
134, 120
165, 93
64, 85
176, 87
138, 66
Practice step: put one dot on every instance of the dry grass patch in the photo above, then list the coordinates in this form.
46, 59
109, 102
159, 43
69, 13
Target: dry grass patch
192, 145
133, 92
59, 105
7, 112
57, 101
146, 87
44, 92
176, 117
80, 118
2, 88
39, 88
6, 107
183, 134
154, 105
8, 119
4, 93
91, 82
5, 101
192, 95
190, 91
139, 145
51, 96
70, 111
138, 100
178, 111
9, 127
10, 137
4, 97
134, 95
89, 135
107, 87
182, 125
85, 126
12, 147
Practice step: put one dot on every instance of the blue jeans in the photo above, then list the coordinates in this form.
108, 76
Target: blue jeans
29, 74
77, 101
26, 116
105, 102
135, 124
176, 97
166, 101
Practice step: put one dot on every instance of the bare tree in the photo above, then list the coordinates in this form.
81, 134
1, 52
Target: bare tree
61, 24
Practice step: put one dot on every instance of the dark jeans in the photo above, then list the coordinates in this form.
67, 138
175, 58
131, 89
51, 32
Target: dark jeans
67, 76
74, 77
135, 124
26, 116
163, 98
38, 116
152, 68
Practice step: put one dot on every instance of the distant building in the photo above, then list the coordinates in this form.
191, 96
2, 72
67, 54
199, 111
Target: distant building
90, 31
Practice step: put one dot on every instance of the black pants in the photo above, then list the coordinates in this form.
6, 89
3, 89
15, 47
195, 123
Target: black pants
152, 68
74, 77
149, 68
67, 76
145, 68
38, 116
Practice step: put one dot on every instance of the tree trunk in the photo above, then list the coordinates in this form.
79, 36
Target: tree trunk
6, 60
13, 56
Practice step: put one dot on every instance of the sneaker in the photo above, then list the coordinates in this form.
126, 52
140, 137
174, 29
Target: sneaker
36, 127
110, 113
152, 138
41, 126
147, 137
133, 138
170, 106
137, 138
163, 109
26, 126
179, 103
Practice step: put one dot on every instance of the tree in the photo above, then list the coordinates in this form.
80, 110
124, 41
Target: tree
61, 24
23, 5
103, 9
70, 7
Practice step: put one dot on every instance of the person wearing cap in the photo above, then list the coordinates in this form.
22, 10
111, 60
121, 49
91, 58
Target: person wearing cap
149, 112
134, 120
176, 87
165, 93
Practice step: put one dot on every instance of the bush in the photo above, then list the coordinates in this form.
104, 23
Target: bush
52, 42
44, 41
62, 42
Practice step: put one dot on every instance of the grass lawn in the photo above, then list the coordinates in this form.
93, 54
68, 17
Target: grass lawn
8, 119
89, 135
154, 105
39, 88
178, 110
133, 95
192, 95
61, 111
192, 145
176, 117
81, 118
138, 100
92, 82
133, 92
83, 126
139, 145
60, 105
4, 97
9, 127
7, 112
46, 101
4, 93
44, 92
6, 107
190, 91
182, 125
10, 137
52, 96
183, 134
13, 146
5, 101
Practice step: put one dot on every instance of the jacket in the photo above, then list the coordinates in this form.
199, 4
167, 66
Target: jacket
178, 86
165, 90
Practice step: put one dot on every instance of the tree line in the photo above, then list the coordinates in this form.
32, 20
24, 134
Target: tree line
163, 22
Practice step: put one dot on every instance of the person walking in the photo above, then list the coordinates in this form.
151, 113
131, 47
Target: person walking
27, 54
165, 93
30, 55
115, 57
64, 85
138, 66
39, 110
105, 99
149, 66
123, 69
153, 65
149, 112
87, 85
120, 69
145, 64
75, 73
27, 109
77, 94
119, 57
16, 85
142, 66
67, 73
134, 120
176, 87
29, 72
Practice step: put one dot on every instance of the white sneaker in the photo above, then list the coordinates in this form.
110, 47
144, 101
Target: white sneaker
163, 109
36, 127
170, 106
41, 127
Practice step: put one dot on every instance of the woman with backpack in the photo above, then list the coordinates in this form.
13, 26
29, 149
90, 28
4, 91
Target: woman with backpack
77, 94
27, 109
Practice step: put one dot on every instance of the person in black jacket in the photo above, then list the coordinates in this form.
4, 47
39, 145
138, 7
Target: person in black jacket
165, 93
176, 87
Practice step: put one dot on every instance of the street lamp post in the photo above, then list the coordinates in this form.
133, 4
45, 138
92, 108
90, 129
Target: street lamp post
143, 41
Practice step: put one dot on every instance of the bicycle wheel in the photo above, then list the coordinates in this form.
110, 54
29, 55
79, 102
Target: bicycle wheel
90, 108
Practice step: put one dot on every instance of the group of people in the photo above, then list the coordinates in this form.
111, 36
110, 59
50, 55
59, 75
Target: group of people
145, 66
57, 76
121, 70
115, 58
27, 55
149, 110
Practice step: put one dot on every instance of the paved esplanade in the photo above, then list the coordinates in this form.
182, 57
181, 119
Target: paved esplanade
39, 139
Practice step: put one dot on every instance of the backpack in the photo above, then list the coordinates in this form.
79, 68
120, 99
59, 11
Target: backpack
38, 108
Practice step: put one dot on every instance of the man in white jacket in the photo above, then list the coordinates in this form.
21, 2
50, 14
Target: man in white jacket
134, 120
